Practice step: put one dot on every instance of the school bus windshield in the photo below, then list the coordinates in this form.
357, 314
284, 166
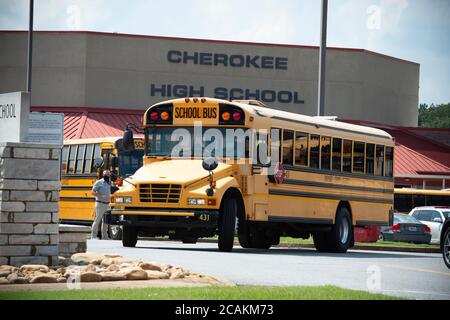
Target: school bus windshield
130, 161
198, 142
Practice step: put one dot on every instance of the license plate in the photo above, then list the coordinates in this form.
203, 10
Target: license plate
413, 229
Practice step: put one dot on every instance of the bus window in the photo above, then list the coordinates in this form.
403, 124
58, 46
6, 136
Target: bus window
380, 160
433, 200
80, 158
97, 153
88, 159
325, 157
347, 156
315, 151
288, 147
72, 155
358, 157
370, 159
262, 149
301, 149
64, 154
130, 162
419, 200
275, 146
337, 154
403, 202
389, 162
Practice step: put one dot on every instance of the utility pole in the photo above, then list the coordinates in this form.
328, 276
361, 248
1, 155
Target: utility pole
30, 47
322, 61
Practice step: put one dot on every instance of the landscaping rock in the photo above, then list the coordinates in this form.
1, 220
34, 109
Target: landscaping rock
4, 273
90, 277
149, 266
135, 273
113, 268
44, 278
155, 275
177, 274
33, 268
113, 276
91, 268
86, 258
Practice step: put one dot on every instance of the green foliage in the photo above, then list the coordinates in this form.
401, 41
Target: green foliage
434, 116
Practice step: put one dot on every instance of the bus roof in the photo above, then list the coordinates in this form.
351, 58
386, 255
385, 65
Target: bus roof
258, 109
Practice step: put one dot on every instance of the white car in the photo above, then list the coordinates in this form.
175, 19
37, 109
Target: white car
433, 217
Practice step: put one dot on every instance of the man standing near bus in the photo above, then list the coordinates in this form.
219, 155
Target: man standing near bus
101, 191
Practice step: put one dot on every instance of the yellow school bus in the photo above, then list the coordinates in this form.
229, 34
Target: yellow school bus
406, 199
212, 165
82, 162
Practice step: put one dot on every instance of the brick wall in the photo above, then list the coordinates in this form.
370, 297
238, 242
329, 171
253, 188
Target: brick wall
29, 194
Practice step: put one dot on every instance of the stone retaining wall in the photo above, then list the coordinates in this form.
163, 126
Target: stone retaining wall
29, 194
72, 239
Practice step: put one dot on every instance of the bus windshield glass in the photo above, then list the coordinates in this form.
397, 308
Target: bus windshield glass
199, 142
130, 161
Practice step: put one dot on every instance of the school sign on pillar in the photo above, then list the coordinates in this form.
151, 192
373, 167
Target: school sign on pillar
14, 114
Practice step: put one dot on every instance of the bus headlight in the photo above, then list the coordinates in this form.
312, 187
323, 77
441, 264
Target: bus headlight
125, 200
196, 202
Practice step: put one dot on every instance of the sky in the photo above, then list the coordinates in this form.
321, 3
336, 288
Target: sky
415, 30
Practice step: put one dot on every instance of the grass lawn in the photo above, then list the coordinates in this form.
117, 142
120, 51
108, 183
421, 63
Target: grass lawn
205, 293
377, 244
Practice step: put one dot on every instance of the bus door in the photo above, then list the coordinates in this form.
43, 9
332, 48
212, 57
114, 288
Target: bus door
261, 178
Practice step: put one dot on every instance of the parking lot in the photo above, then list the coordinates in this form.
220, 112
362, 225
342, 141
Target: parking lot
410, 275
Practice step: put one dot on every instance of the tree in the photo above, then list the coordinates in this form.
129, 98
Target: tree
434, 116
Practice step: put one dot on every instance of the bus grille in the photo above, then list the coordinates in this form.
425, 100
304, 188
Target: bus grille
160, 193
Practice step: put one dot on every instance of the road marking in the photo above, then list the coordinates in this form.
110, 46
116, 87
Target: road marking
416, 270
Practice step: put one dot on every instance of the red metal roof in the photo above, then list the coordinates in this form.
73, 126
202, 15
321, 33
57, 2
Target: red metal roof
80, 123
410, 162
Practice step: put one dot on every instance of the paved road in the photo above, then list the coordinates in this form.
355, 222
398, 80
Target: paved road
418, 276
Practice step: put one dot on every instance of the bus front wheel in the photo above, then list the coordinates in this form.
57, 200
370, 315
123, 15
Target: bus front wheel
129, 236
227, 225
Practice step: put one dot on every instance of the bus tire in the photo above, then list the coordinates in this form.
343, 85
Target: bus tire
227, 225
261, 241
189, 240
321, 242
244, 234
129, 237
340, 237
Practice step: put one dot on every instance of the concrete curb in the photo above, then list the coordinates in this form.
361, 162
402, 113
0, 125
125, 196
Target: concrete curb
357, 247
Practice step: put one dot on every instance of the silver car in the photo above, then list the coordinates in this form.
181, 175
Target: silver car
433, 217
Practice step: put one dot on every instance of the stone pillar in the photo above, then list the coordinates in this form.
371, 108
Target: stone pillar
29, 195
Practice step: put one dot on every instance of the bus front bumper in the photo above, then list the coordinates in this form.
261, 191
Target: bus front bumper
163, 218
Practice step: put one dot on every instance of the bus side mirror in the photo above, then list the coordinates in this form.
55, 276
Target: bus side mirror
128, 140
210, 164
